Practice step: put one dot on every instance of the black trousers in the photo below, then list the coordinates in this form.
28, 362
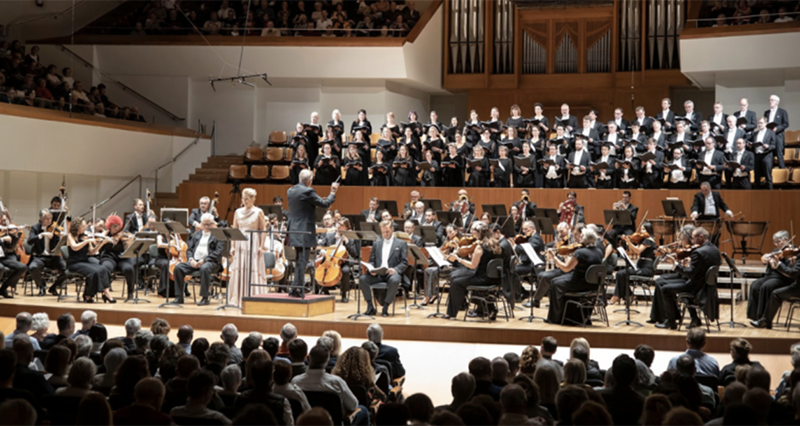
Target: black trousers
670, 299
780, 146
16, 270
545, 280
712, 180
577, 181
300, 271
778, 297
763, 168
623, 280
760, 294
392, 284
460, 278
124, 265
184, 269
40, 262
651, 180
553, 183
657, 313
163, 276
97, 277
740, 182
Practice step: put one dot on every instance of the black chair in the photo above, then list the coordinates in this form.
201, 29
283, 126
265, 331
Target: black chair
794, 303
644, 282
384, 286
71, 278
482, 295
61, 410
689, 301
330, 402
297, 408
589, 301
710, 381
199, 421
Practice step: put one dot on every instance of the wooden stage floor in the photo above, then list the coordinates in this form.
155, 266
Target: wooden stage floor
416, 327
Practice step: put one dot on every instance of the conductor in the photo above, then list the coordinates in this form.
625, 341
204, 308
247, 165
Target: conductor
303, 201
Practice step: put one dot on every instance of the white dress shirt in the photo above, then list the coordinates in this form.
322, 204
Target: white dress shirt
708, 157
641, 121
139, 222
577, 163
738, 172
759, 140
385, 252
679, 137
731, 139
676, 175
551, 171
604, 159
718, 119
711, 208
201, 251
618, 122
772, 113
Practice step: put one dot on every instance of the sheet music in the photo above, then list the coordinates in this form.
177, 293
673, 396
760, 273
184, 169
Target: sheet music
628, 262
438, 257
532, 254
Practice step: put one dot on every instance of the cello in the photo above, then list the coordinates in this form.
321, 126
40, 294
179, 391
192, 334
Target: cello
328, 271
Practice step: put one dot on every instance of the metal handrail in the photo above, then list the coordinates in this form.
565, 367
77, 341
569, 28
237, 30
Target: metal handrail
123, 85
100, 204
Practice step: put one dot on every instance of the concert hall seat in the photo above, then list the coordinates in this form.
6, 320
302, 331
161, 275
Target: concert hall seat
259, 172
372, 154
789, 156
780, 176
277, 138
792, 137
287, 154
254, 155
279, 173
794, 177
237, 172
373, 139
274, 154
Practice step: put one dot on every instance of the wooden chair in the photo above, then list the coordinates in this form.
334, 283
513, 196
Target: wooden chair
794, 177
287, 154
259, 172
780, 176
791, 137
274, 154
373, 139
254, 155
237, 172
279, 173
789, 156
277, 138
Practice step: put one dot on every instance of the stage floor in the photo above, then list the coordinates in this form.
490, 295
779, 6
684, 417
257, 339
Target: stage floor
416, 327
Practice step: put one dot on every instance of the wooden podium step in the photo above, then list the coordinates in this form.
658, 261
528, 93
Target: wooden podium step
280, 304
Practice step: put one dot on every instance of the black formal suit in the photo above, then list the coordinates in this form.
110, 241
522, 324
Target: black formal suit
627, 229
761, 289
579, 180
655, 178
571, 121
782, 121
211, 263
763, 156
38, 261
133, 225
723, 124
610, 173
670, 118
376, 215
525, 265
661, 141
703, 258
780, 295
392, 356
699, 206
10, 261
467, 224
731, 140
750, 116
743, 182
561, 171
529, 206
623, 126
194, 218
718, 161
633, 173
353, 248
623, 403
687, 174
697, 119
398, 259
592, 145
303, 202
645, 125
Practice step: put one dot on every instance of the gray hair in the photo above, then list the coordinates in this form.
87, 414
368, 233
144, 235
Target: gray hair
705, 185
205, 199
644, 376
114, 359
419, 204
132, 326
24, 321
40, 321
375, 333
84, 344
305, 176
142, 338
81, 373
588, 237
231, 377
780, 235
88, 316
701, 231
229, 331
288, 332
207, 217
256, 335
688, 103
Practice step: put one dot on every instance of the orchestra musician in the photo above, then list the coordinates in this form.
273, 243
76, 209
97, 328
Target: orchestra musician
196, 214
716, 162
739, 178
204, 253
161, 262
467, 217
111, 250
703, 258
301, 161
410, 207
432, 271
372, 214
577, 213
749, 116
9, 259
525, 265
625, 204
553, 175
546, 278
390, 253
472, 270
247, 218
780, 295
353, 247
706, 204
418, 215
453, 166
138, 219
777, 115
761, 289
683, 239
430, 220
573, 277
303, 201
679, 177
651, 172
762, 141
80, 248
605, 177
646, 252
510, 278
578, 164
524, 205
274, 243
277, 201
380, 170
43, 241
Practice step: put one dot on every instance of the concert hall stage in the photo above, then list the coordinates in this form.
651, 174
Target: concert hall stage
417, 327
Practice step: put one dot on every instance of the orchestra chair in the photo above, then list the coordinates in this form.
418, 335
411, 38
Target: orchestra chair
373, 139
259, 172
483, 295
150, 273
288, 153
27, 280
644, 282
237, 173
709, 312
253, 155
794, 303
71, 278
794, 177
792, 138
277, 138
780, 176
589, 301
273, 155
279, 173
385, 286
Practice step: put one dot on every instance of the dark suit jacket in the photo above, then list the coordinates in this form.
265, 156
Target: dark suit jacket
624, 404
398, 259
699, 203
303, 203
195, 217
32, 381
781, 119
703, 258
133, 227
353, 247
468, 223
585, 160
697, 119
623, 127
646, 126
214, 248
37, 245
572, 121
750, 116
670, 118
717, 160
748, 161
365, 213
390, 354
769, 140
738, 134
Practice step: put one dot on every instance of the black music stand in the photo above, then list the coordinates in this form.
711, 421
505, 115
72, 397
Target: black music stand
228, 235
673, 208
390, 205
734, 272
544, 226
354, 219
494, 209
419, 258
274, 209
449, 217
363, 235
543, 213
528, 248
434, 252
401, 223
135, 251
374, 227
428, 234
434, 205
629, 267
619, 217
175, 215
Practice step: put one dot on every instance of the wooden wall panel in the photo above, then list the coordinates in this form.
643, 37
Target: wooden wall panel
777, 207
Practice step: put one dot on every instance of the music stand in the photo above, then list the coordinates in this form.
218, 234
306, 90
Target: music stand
274, 209
354, 219
449, 217
434, 205
401, 223
364, 235
544, 226
135, 251
419, 258
619, 217
440, 263
506, 226
227, 235
58, 216
494, 209
390, 205
428, 234
734, 273
744, 230
629, 267
673, 207
551, 214
534, 257
175, 215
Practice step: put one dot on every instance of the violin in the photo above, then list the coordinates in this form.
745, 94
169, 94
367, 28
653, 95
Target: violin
520, 239
637, 237
466, 246
787, 252
568, 249
449, 246
686, 252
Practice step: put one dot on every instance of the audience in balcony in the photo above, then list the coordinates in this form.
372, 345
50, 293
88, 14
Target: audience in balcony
720, 13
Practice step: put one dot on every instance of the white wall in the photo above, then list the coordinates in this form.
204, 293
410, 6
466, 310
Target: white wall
758, 97
95, 161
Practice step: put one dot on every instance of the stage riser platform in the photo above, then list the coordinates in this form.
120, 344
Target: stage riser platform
279, 304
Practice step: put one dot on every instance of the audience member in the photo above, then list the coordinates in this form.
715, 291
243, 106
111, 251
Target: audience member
288, 334
481, 370
740, 355
56, 364
705, 364
132, 326
282, 377
499, 371
529, 360
185, 336
9, 392
24, 377
40, 322
229, 336
568, 400
592, 413
624, 403
298, 350
420, 408
146, 410
317, 416
230, 381
103, 382
386, 352
66, 327
24, 322
260, 392
200, 393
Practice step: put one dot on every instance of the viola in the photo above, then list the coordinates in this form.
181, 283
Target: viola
637, 237
520, 239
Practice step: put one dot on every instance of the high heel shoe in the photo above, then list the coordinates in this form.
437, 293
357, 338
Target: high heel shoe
106, 299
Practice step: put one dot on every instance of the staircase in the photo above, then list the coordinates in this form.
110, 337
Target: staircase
213, 170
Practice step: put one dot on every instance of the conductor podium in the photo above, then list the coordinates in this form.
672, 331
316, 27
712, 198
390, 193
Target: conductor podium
280, 304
